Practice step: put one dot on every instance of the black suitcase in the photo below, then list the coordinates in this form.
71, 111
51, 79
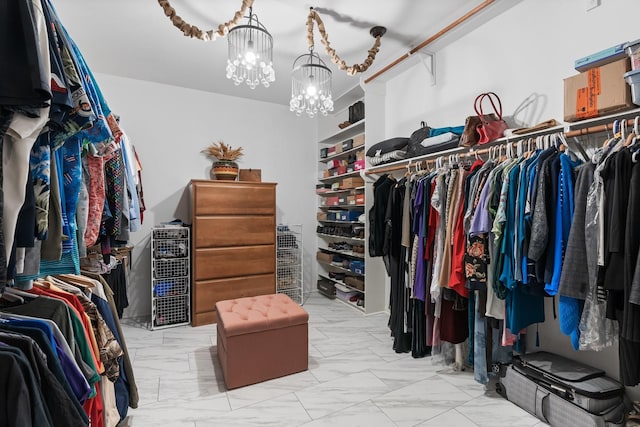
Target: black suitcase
563, 392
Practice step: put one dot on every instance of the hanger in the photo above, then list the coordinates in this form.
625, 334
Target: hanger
20, 293
520, 148
11, 297
408, 172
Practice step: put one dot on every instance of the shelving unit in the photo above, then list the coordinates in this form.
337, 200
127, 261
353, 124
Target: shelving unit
339, 214
289, 262
170, 272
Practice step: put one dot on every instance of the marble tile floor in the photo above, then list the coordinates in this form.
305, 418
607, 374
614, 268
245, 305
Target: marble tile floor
354, 379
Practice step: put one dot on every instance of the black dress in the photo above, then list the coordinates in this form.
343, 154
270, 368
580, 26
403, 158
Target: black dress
629, 349
399, 294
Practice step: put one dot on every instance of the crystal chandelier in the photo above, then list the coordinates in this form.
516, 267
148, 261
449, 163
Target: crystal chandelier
311, 79
250, 58
310, 86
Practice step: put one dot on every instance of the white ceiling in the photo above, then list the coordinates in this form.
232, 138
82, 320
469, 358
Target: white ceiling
133, 38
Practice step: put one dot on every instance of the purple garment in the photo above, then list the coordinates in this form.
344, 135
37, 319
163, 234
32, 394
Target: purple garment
78, 383
419, 285
481, 222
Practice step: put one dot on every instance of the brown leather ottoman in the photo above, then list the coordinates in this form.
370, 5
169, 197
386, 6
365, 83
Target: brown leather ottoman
260, 338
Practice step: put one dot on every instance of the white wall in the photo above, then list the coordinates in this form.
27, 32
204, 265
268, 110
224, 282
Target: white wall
527, 51
169, 126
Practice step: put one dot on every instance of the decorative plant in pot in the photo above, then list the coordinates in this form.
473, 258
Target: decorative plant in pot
224, 160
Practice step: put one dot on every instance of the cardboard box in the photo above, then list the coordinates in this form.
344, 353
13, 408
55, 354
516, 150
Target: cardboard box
331, 150
324, 257
335, 163
360, 155
250, 175
600, 58
341, 170
353, 182
338, 148
355, 282
357, 266
321, 216
597, 91
334, 215
358, 140
331, 201
351, 200
350, 215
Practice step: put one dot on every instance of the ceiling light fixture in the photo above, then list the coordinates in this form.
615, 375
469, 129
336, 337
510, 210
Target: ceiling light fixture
250, 57
310, 85
311, 79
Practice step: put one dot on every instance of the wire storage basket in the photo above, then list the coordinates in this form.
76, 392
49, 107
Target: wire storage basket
170, 276
289, 261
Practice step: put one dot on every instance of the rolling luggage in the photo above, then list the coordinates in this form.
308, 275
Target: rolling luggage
562, 392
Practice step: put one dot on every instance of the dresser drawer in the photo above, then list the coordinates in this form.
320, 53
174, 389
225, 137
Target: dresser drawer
207, 293
233, 198
218, 263
220, 231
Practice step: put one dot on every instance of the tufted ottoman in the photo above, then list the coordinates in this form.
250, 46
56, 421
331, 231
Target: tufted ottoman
260, 338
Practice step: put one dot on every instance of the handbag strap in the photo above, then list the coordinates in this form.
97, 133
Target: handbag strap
490, 95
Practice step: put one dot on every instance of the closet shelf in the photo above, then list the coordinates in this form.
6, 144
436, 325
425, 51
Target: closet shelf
340, 222
339, 177
335, 236
346, 133
332, 192
342, 154
568, 128
351, 304
345, 253
361, 205
341, 269
326, 276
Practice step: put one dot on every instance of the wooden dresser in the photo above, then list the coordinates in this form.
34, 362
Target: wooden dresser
234, 243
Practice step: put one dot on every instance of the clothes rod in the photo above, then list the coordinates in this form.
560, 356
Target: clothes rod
425, 162
596, 129
431, 39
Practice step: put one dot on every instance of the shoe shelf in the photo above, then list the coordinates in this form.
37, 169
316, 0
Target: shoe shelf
342, 206
340, 269
343, 154
345, 253
341, 176
339, 222
340, 282
335, 236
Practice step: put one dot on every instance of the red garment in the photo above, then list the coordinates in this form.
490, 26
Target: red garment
454, 324
458, 279
94, 408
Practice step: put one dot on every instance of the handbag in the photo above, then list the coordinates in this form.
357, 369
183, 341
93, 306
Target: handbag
417, 136
470, 135
489, 129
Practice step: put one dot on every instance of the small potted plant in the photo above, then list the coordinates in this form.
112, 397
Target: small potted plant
224, 160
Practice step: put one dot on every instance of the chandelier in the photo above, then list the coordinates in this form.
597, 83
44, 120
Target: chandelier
250, 58
311, 79
310, 86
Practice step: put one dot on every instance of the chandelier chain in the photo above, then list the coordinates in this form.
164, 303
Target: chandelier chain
195, 32
335, 58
